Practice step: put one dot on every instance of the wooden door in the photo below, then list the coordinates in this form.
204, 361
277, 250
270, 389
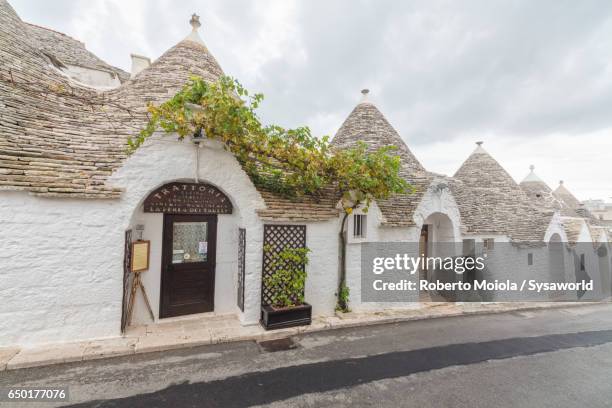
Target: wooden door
188, 264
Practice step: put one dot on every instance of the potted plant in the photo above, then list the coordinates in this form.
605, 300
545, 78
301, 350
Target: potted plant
287, 307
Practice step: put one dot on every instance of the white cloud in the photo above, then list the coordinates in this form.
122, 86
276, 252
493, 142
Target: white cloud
583, 163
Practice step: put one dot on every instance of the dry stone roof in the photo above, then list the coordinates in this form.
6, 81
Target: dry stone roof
305, 208
169, 73
67, 50
567, 204
367, 124
562, 201
53, 141
539, 192
566, 196
60, 139
573, 227
490, 201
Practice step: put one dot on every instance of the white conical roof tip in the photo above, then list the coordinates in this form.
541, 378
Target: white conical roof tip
532, 176
195, 24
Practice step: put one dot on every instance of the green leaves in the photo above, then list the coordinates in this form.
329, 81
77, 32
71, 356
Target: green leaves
290, 162
289, 277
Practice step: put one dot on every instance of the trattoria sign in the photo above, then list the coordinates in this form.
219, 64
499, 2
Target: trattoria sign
188, 198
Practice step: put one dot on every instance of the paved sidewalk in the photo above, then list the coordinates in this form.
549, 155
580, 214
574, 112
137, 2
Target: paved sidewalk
212, 329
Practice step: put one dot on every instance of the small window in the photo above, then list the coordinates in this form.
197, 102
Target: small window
488, 243
529, 259
359, 226
582, 263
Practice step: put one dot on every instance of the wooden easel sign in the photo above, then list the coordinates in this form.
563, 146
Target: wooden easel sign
140, 256
139, 263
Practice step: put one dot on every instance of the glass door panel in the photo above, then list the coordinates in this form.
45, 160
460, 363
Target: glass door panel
189, 242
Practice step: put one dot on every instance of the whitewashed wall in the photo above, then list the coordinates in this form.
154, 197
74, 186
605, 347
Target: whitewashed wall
322, 269
219, 168
439, 202
61, 260
93, 77
60, 269
434, 203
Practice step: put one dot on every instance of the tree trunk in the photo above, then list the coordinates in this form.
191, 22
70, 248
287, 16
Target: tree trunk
342, 303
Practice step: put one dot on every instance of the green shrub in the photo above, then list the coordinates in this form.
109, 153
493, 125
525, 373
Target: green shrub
289, 277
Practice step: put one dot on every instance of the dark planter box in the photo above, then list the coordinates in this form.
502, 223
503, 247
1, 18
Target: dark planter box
279, 318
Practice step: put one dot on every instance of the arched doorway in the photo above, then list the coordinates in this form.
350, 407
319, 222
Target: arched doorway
556, 263
189, 226
437, 239
189, 244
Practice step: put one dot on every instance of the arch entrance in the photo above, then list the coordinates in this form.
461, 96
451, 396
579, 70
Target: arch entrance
189, 243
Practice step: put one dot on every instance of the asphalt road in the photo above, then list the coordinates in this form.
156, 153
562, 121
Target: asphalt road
549, 358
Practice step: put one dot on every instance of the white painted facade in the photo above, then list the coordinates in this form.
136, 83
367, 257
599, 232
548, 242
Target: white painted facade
89, 77
62, 259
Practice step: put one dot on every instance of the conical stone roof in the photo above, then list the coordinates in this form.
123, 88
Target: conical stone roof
367, 124
67, 143
534, 186
490, 201
568, 199
539, 192
169, 73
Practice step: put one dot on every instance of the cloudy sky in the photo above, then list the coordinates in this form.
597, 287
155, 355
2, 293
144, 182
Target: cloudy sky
533, 80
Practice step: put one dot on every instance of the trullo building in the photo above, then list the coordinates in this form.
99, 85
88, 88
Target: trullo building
71, 200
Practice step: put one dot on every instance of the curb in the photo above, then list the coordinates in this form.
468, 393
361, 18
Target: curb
124, 346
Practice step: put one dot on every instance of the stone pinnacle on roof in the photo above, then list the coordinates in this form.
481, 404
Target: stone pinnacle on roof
195, 21
367, 124
169, 73
364, 95
479, 149
195, 24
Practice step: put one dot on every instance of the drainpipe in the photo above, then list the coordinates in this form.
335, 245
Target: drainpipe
197, 168
197, 139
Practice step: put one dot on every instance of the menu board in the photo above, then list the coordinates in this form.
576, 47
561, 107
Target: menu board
140, 256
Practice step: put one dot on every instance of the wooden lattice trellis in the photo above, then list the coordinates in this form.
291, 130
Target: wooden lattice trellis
241, 266
127, 278
278, 237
